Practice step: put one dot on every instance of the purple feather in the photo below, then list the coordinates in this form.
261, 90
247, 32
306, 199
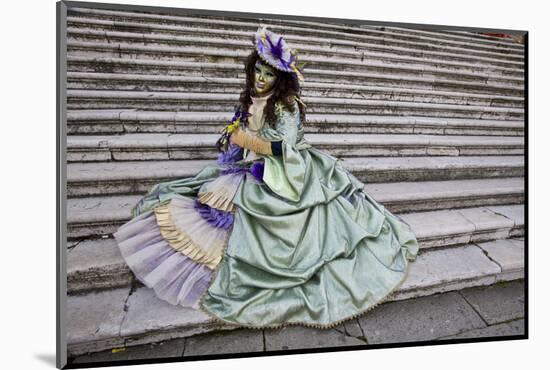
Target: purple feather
223, 142
233, 154
257, 170
238, 114
276, 50
213, 216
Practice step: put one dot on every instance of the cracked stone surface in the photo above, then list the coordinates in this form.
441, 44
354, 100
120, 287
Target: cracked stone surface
485, 219
235, 341
94, 254
95, 316
140, 318
96, 264
445, 316
499, 302
509, 253
516, 327
440, 268
169, 349
298, 337
514, 213
420, 319
101, 209
351, 328
435, 223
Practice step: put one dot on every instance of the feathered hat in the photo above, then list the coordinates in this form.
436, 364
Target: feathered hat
274, 50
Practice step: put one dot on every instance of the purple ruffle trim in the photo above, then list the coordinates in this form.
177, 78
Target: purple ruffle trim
233, 154
213, 216
257, 170
233, 169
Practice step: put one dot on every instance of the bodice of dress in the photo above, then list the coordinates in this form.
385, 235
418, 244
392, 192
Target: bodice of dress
256, 121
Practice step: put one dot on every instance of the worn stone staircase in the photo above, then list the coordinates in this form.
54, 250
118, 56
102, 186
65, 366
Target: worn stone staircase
432, 122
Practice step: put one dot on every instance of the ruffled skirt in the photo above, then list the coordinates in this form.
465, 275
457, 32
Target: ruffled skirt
174, 248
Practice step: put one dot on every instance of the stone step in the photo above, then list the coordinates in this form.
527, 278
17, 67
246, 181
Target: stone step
447, 269
201, 84
485, 39
100, 178
325, 62
466, 225
156, 146
95, 264
478, 312
103, 215
393, 36
472, 38
216, 67
312, 50
85, 122
401, 197
98, 216
126, 317
467, 39
106, 99
375, 40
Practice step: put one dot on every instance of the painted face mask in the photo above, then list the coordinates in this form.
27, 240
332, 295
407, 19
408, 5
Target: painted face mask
264, 78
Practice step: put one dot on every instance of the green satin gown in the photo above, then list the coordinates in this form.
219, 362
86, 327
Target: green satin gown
308, 246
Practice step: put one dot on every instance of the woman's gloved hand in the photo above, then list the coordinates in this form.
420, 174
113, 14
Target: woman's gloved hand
251, 142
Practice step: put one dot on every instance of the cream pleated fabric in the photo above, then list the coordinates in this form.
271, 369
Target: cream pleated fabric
256, 121
220, 192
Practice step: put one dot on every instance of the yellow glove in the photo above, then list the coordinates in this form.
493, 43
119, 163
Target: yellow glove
248, 141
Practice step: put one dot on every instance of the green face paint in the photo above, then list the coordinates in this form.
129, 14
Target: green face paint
264, 78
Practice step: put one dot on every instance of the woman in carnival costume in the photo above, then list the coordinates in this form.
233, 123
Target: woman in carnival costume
275, 232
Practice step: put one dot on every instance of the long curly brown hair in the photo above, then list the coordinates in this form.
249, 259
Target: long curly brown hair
285, 89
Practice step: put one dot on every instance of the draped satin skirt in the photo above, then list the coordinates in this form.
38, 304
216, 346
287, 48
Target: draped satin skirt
223, 242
